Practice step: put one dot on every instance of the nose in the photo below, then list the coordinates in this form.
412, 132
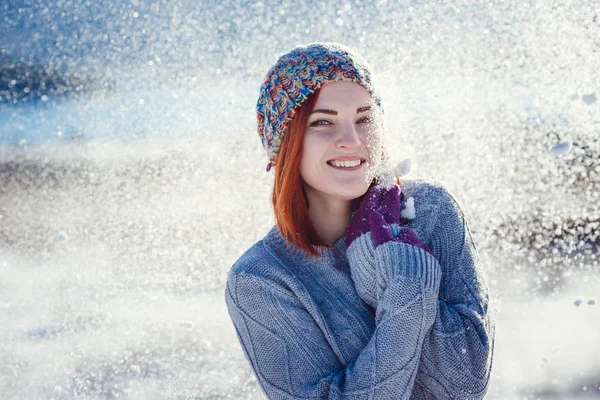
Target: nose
349, 137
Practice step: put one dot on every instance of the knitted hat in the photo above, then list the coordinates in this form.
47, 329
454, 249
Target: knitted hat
298, 74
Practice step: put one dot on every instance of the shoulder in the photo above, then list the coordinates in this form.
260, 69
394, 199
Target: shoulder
426, 190
436, 208
430, 196
252, 261
257, 271
246, 273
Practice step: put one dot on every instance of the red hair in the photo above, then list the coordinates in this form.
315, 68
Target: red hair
290, 202
289, 199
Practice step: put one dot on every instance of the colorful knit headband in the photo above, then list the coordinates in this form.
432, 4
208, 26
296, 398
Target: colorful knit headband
298, 74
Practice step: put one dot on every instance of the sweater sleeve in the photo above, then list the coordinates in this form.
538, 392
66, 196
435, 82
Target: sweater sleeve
457, 354
456, 360
291, 354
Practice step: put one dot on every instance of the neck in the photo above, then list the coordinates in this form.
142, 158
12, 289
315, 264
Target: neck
330, 216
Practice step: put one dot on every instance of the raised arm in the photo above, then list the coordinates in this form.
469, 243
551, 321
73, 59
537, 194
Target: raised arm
291, 352
457, 353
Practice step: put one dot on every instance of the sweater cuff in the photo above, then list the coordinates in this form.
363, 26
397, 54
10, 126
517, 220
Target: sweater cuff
400, 260
361, 257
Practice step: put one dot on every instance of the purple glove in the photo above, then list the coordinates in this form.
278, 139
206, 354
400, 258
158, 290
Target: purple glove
382, 233
364, 235
359, 224
390, 206
378, 198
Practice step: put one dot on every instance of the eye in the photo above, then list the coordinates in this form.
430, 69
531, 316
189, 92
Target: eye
365, 120
320, 122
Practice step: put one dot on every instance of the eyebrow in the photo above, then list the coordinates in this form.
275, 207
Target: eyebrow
333, 112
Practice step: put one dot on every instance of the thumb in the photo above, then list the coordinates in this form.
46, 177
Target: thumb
391, 205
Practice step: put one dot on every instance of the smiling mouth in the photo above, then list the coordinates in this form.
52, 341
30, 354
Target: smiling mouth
346, 164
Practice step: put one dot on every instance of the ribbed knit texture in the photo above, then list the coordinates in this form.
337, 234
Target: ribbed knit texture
361, 255
423, 331
364, 273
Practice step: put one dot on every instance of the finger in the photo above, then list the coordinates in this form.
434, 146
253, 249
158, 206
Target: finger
393, 192
359, 223
380, 230
371, 201
392, 196
373, 198
391, 214
391, 205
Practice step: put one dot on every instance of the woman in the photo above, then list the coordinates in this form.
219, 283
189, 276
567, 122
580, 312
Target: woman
365, 288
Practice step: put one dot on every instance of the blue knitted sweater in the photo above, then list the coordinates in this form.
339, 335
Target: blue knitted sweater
423, 332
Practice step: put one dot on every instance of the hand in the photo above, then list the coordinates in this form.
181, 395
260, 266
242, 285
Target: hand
359, 224
381, 232
390, 205
378, 198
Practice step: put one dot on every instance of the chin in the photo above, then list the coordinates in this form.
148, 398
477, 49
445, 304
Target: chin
351, 192
333, 187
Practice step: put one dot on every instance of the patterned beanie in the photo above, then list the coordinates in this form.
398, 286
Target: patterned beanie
298, 74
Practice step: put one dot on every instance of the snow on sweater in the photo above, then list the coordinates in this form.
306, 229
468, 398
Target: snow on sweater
308, 334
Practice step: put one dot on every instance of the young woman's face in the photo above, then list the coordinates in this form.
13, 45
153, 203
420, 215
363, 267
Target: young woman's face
342, 142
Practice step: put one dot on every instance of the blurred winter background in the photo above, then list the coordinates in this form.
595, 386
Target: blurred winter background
131, 178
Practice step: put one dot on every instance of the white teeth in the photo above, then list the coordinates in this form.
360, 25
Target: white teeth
337, 163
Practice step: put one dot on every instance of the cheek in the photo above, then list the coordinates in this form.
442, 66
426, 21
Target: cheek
375, 133
304, 170
313, 149
308, 161
374, 142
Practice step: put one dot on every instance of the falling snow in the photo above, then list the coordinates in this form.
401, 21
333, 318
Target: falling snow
131, 179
